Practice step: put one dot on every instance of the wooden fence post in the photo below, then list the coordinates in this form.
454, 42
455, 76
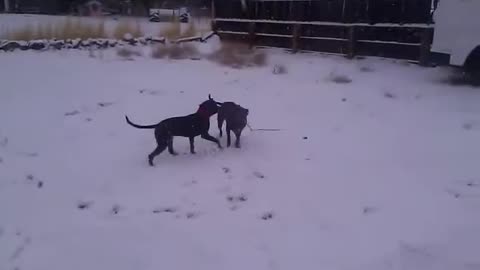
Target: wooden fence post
426, 42
213, 23
352, 42
251, 34
296, 37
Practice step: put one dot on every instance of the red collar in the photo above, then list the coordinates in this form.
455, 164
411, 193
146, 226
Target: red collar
203, 113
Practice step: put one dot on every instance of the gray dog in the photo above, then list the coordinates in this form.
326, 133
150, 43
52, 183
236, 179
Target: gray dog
236, 118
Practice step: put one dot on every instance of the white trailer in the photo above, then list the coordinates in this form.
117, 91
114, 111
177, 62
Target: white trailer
457, 34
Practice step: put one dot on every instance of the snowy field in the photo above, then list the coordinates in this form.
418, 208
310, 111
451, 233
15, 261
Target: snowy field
379, 173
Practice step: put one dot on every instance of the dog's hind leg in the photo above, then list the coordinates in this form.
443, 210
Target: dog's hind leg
160, 148
237, 135
192, 145
220, 120
170, 147
228, 130
209, 137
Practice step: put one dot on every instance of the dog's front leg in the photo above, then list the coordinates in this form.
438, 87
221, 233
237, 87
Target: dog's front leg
228, 137
208, 137
192, 145
237, 141
170, 147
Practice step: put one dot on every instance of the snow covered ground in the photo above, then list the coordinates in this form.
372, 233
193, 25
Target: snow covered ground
379, 173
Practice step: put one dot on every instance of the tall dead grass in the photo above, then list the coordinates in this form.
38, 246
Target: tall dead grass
72, 28
172, 31
238, 55
175, 51
127, 27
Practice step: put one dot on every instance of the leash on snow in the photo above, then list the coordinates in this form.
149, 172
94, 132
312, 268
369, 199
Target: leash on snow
262, 129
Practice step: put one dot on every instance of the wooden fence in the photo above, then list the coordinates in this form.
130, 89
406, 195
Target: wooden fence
401, 30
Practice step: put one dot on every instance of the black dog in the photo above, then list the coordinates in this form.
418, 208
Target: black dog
236, 117
189, 126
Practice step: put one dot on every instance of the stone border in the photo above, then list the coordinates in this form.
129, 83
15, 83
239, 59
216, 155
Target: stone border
100, 43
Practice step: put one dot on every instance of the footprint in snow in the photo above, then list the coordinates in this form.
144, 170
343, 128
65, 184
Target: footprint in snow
116, 209
259, 175
104, 104
169, 210
237, 198
4, 142
72, 113
267, 216
369, 210
82, 205
226, 170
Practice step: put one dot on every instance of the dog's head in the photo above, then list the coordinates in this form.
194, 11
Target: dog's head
209, 106
241, 114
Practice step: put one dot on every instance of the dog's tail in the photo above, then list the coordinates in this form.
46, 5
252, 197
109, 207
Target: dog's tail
139, 126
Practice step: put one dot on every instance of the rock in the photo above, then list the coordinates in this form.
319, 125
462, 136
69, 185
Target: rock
112, 42
10, 45
129, 39
38, 44
76, 43
102, 43
85, 43
57, 44
142, 40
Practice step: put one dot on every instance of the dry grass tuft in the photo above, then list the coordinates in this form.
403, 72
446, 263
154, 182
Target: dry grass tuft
126, 27
260, 59
128, 53
69, 29
190, 31
175, 51
279, 69
238, 55
339, 78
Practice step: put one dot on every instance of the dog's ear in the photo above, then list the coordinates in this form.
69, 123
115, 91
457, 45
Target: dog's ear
210, 97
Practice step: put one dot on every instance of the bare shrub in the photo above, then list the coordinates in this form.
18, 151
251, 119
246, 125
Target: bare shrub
339, 78
260, 59
279, 69
190, 31
459, 78
175, 51
238, 55
159, 51
126, 27
128, 53
182, 51
366, 69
